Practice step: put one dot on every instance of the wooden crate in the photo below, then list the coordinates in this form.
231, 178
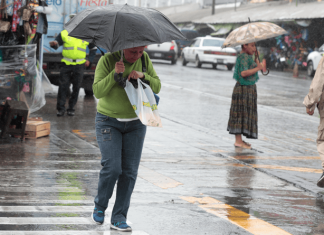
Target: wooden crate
36, 129
35, 119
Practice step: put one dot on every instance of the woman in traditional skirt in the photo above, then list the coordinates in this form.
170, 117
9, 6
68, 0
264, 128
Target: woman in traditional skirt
243, 118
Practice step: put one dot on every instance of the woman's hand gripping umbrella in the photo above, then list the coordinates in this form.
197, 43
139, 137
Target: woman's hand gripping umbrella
253, 32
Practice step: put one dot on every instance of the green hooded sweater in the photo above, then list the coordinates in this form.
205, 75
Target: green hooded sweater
113, 100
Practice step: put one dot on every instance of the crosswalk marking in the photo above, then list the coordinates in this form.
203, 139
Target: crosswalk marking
27, 200
40, 189
287, 168
156, 178
47, 209
49, 220
112, 232
235, 216
46, 220
278, 158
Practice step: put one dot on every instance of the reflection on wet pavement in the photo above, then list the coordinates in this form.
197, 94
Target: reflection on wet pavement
191, 179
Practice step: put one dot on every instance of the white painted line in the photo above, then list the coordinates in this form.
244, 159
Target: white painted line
52, 161
20, 200
48, 209
50, 220
42, 220
69, 233
40, 189
10, 170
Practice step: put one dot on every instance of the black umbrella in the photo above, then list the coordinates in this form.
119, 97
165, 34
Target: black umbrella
117, 27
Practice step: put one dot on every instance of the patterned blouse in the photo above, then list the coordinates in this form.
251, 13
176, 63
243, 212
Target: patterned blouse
245, 62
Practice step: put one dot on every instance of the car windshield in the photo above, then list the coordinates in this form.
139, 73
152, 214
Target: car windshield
212, 43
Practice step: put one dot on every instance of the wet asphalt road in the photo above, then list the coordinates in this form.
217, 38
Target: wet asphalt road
191, 179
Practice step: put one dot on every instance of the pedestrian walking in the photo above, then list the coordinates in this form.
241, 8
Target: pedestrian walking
120, 133
315, 97
243, 118
74, 63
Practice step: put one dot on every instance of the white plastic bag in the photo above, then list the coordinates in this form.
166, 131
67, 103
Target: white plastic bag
144, 104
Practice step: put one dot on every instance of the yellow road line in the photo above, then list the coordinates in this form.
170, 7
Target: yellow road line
287, 168
79, 133
235, 216
157, 178
278, 158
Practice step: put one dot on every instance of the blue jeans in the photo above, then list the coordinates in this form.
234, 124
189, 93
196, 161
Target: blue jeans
121, 145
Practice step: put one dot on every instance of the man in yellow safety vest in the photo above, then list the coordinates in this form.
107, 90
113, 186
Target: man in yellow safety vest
74, 62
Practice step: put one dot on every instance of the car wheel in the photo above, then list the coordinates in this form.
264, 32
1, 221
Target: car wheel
310, 69
184, 62
198, 63
229, 67
214, 66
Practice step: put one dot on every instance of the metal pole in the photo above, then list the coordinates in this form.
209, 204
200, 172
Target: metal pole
41, 57
213, 7
70, 9
64, 14
235, 5
139, 3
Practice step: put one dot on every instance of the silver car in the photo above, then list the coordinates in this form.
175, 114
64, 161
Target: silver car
163, 51
208, 50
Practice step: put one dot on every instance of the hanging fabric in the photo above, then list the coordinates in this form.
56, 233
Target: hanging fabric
15, 16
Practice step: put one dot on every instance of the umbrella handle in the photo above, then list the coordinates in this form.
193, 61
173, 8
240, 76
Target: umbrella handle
263, 73
121, 59
266, 73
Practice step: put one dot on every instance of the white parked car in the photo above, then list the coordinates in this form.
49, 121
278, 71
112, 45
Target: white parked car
164, 51
313, 59
207, 50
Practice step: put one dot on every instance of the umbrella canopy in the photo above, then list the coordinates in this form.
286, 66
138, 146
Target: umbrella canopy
253, 32
117, 27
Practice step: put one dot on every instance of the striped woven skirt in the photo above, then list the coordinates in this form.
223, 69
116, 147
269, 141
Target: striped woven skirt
243, 114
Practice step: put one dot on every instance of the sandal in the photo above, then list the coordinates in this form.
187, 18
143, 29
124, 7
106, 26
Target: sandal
244, 146
248, 144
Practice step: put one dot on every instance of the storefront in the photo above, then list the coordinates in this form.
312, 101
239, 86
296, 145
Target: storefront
303, 24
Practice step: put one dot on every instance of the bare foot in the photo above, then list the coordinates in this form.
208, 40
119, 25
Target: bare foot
242, 145
246, 143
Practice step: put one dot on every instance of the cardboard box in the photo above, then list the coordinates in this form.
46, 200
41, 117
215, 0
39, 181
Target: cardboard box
36, 129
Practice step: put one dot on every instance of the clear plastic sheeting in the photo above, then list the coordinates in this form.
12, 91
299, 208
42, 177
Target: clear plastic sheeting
46, 84
19, 76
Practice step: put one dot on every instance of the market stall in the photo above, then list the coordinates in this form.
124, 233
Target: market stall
22, 25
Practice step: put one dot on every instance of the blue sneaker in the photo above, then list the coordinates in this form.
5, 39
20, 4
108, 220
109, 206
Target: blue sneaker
121, 226
98, 216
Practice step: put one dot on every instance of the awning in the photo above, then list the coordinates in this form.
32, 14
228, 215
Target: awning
270, 11
222, 29
185, 13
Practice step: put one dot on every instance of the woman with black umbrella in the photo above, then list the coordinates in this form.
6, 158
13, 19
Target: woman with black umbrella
120, 133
